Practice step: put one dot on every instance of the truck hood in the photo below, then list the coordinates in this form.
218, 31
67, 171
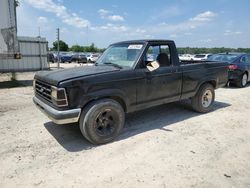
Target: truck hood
54, 77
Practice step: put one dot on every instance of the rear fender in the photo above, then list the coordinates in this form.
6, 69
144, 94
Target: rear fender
211, 80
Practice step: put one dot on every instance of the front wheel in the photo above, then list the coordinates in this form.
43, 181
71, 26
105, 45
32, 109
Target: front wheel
203, 100
102, 121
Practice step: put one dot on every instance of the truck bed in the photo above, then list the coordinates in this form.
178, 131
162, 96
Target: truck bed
192, 62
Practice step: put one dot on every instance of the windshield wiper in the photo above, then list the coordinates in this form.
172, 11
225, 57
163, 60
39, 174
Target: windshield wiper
113, 64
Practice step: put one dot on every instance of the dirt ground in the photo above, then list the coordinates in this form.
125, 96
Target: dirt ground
166, 146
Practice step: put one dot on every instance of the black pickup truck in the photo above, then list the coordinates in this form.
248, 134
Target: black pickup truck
129, 76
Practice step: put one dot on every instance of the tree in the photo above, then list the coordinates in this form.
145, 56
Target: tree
92, 48
63, 46
189, 50
76, 48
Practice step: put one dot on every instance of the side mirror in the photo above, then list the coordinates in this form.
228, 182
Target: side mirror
152, 66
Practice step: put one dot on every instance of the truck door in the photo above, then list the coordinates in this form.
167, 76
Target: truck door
162, 85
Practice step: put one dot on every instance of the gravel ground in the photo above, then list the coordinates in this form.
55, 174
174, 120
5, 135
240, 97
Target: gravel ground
166, 146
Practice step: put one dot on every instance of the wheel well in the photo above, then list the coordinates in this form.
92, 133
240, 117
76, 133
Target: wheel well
212, 82
246, 73
115, 98
120, 101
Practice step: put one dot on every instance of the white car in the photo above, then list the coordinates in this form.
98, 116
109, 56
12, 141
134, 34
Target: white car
186, 57
201, 57
92, 57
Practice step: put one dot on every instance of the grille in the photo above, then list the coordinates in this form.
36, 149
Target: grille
43, 90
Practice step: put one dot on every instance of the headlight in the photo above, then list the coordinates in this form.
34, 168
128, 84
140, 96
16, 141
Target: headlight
59, 97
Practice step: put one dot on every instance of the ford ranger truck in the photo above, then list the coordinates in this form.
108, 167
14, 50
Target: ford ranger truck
129, 76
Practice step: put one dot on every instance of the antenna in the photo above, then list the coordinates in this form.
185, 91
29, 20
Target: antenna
39, 32
58, 49
87, 35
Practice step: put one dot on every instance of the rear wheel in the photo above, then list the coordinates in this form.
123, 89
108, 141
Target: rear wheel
203, 100
243, 81
102, 121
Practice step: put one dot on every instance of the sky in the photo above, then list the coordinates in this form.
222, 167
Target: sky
190, 23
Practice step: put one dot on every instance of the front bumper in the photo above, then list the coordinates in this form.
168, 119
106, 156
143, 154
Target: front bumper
58, 117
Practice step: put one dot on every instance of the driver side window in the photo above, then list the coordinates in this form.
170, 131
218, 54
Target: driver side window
160, 53
152, 53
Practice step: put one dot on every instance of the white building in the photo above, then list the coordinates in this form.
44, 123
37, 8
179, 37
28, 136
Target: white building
33, 51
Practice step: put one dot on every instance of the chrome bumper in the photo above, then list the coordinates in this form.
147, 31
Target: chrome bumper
58, 117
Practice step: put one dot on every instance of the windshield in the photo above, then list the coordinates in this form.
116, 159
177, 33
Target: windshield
123, 55
223, 57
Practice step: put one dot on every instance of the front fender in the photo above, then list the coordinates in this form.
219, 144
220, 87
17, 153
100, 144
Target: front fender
105, 93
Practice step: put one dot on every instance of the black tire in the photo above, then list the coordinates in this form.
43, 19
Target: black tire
102, 121
241, 83
202, 102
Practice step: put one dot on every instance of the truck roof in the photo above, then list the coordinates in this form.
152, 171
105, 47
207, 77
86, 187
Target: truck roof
144, 41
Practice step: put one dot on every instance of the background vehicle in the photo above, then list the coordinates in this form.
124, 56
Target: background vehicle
79, 58
124, 80
201, 57
239, 67
186, 57
51, 58
65, 57
91, 58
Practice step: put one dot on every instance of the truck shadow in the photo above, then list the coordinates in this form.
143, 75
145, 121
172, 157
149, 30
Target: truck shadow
70, 137
162, 117
15, 83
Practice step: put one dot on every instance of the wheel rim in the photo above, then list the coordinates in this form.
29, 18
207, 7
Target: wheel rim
244, 79
207, 98
105, 123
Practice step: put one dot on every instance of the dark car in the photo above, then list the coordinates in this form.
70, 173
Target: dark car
129, 76
79, 58
65, 57
51, 58
239, 67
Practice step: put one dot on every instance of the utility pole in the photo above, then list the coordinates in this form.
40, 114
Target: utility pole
87, 35
40, 51
39, 31
58, 49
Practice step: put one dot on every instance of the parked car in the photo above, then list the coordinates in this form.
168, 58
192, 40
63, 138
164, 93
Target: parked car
186, 57
97, 97
65, 57
79, 58
91, 58
239, 67
51, 58
201, 57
